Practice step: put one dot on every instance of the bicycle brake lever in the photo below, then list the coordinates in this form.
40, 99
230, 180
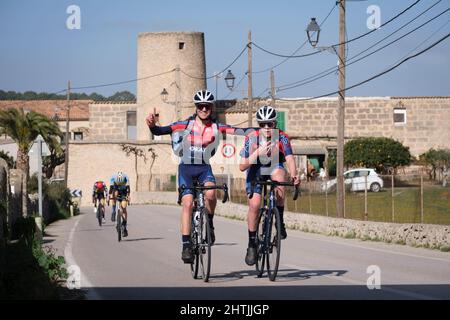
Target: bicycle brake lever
225, 196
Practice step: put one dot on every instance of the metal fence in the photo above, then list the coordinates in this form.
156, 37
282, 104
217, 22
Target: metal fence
402, 199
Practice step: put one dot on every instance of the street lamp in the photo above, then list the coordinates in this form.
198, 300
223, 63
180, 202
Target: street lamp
313, 32
164, 95
229, 80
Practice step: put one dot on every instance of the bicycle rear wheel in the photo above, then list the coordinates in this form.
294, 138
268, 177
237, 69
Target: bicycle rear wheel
204, 248
274, 244
260, 251
119, 223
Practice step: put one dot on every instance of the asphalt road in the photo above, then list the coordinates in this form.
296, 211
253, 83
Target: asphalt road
147, 264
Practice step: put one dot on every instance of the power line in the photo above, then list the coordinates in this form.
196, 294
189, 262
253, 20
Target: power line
375, 76
382, 25
298, 49
334, 69
224, 69
345, 42
122, 82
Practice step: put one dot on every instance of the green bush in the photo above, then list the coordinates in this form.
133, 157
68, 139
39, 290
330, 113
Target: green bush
52, 265
58, 196
378, 153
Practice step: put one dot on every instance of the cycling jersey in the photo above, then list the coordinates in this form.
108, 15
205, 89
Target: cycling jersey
265, 165
123, 187
198, 144
99, 190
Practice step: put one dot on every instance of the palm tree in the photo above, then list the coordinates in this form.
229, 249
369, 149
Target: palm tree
24, 128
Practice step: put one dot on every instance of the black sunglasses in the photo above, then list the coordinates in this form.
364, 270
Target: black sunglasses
267, 124
203, 106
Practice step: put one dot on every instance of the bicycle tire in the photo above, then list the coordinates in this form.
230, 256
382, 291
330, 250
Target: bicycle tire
260, 251
274, 244
204, 248
99, 214
194, 239
119, 223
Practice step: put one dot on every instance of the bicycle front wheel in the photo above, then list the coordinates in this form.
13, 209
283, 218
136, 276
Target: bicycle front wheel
261, 247
195, 246
204, 247
274, 244
100, 214
119, 224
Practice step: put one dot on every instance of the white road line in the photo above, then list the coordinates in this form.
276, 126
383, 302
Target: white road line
85, 283
359, 283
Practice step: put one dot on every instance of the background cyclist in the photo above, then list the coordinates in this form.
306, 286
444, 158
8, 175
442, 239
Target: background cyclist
265, 150
119, 192
99, 193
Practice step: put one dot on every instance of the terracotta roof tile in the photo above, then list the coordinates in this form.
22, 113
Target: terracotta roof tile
79, 108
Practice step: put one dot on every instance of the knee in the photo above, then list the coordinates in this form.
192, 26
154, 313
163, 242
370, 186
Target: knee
210, 195
253, 206
188, 204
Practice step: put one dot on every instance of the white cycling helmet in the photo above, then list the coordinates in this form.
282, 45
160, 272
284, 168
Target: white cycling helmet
266, 114
120, 178
203, 96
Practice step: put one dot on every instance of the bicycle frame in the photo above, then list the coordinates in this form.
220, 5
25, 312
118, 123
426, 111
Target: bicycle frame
201, 238
269, 212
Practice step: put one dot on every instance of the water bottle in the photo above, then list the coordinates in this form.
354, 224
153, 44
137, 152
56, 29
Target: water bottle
196, 218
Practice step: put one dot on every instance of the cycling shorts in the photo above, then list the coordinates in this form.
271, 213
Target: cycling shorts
188, 173
254, 173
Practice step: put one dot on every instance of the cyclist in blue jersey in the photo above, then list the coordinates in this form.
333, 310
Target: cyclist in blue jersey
195, 141
265, 150
119, 192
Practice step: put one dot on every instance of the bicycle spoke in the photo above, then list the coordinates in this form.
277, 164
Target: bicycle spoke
274, 249
261, 257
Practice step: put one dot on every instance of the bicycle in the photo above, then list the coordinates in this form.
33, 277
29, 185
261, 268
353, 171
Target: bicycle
268, 242
200, 228
119, 227
100, 211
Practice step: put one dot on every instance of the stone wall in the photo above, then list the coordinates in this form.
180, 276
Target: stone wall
3, 200
92, 161
427, 119
108, 121
416, 235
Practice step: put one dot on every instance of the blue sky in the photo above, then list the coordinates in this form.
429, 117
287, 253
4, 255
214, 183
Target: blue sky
39, 53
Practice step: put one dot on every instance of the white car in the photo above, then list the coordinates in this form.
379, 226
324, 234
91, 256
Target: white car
356, 179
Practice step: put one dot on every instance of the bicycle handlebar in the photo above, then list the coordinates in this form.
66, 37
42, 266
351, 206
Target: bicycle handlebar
224, 187
273, 183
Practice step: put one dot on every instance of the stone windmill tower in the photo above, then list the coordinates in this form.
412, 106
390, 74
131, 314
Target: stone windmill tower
160, 52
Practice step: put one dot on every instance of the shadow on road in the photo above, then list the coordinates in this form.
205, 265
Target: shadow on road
284, 275
206, 291
142, 239
225, 244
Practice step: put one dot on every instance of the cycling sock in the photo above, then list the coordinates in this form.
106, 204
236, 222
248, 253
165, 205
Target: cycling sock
281, 211
252, 239
186, 241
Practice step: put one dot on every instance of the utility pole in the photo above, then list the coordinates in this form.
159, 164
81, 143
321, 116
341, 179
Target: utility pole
341, 114
250, 87
272, 88
66, 138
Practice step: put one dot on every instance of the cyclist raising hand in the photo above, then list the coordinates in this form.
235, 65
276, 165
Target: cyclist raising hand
195, 141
